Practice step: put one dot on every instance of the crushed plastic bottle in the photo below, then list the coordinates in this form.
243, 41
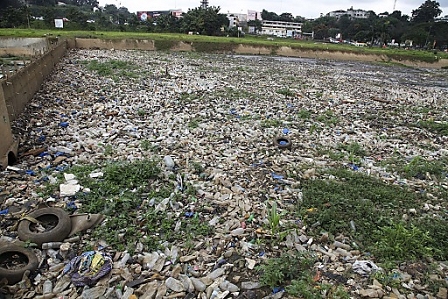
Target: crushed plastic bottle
169, 162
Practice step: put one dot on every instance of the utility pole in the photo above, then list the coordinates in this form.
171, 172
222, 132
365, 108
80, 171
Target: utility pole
204, 4
395, 4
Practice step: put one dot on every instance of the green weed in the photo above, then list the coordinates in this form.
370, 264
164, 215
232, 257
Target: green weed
112, 67
279, 271
398, 242
328, 118
419, 167
274, 218
376, 209
271, 123
120, 195
304, 114
286, 92
440, 128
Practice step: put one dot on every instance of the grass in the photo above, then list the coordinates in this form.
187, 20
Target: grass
271, 123
439, 128
122, 195
113, 67
328, 118
376, 210
286, 92
295, 273
417, 167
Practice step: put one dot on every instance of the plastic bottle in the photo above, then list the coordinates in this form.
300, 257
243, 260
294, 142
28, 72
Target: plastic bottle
53, 245
169, 162
47, 287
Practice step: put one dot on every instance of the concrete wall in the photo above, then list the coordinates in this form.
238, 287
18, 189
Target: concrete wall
20, 88
23, 46
117, 44
15, 93
8, 144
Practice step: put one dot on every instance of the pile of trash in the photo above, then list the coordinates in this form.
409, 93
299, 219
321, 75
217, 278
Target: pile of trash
227, 127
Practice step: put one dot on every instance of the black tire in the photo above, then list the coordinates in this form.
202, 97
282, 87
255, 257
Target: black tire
58, 233
283, 142
13, 251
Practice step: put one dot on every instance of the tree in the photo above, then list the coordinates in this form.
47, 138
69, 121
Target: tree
285, 17
14, 17
427, 12
207, 21
269, 16
84, 3
167, 23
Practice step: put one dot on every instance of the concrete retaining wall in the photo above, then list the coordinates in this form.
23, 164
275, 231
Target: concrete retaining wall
20, 88
117, 44
24, 46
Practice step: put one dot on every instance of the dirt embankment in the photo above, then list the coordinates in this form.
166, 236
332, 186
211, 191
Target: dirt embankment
128, 44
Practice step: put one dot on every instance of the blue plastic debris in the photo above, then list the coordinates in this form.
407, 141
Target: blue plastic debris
43, 154
63, 124
276, 176
60, 168
286, 131
71, 206
42, 138
233, 111
4, 212
353, 167
189, 214
30, 172
60, 154
276, 290
283, 142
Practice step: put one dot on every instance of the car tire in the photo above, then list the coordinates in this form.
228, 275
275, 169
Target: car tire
283, 142
13, 251
58, 233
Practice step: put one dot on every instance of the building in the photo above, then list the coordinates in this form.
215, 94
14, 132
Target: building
281, 29
253, 15
237, 19
351, 13
152, 15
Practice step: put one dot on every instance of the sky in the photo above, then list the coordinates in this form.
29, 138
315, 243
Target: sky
304, 8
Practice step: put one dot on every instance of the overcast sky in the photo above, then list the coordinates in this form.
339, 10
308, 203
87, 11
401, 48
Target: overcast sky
304, 8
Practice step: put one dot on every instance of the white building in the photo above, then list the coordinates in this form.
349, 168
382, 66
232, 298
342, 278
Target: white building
351, 13
236, 19
279, 28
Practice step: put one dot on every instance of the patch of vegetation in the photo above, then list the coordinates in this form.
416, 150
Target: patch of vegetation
369, 204
286, 92
280, 271
145, 145
353, 148
295, 273
418, 167
271, 123
122, 194
194, 123
328, 118
141, 112
274, 218
304, 114
436, 127
112, 68
399, 242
